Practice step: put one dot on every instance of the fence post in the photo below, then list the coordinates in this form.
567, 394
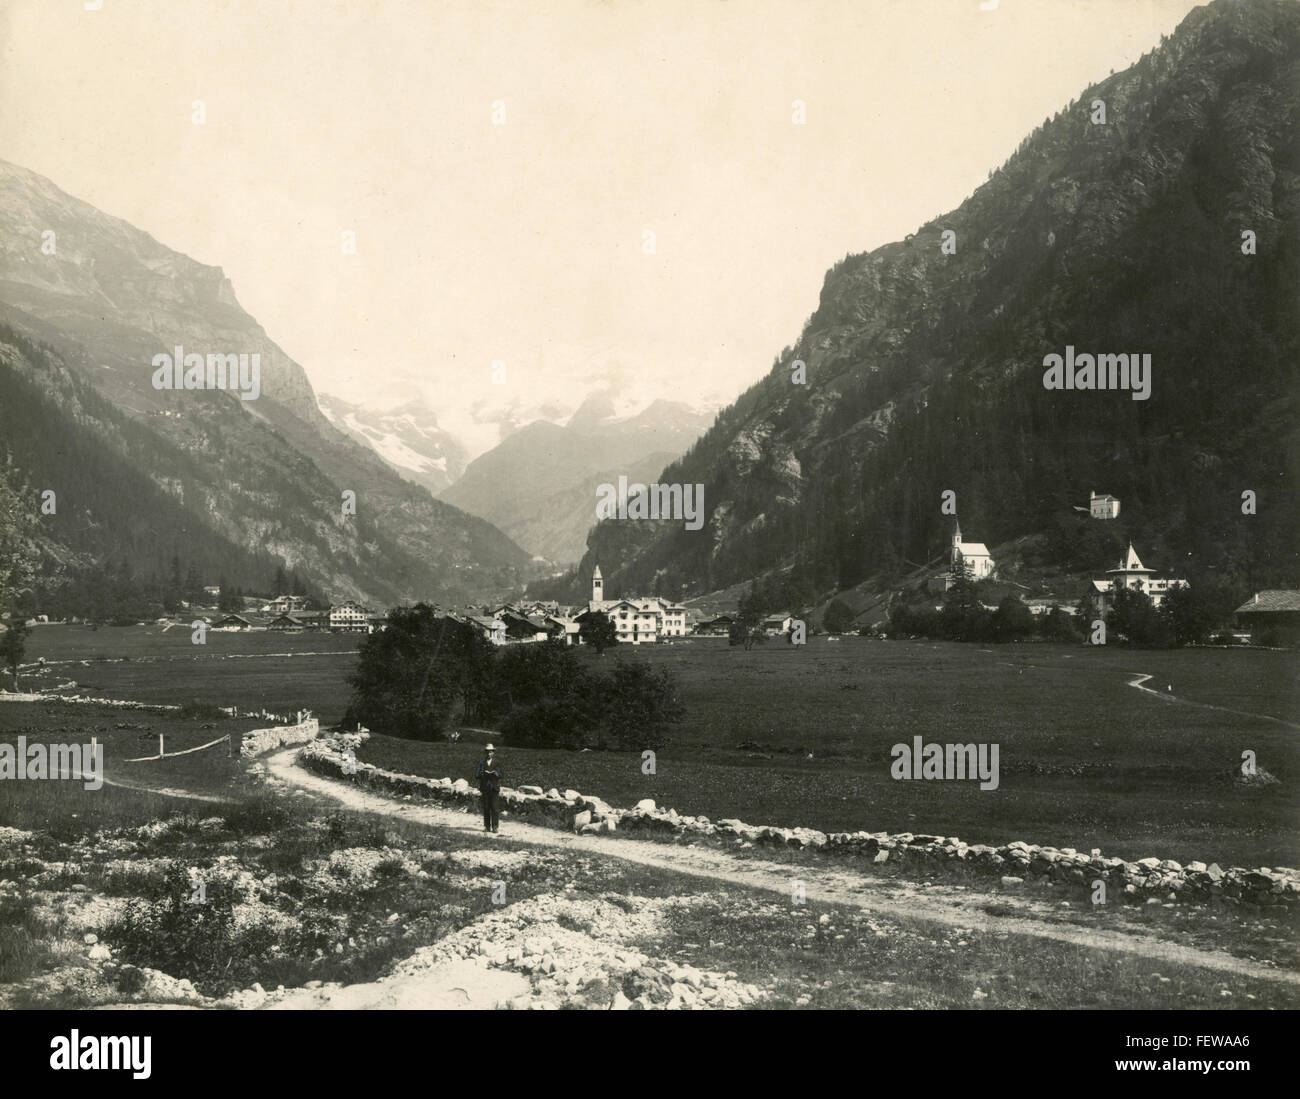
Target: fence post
161, 753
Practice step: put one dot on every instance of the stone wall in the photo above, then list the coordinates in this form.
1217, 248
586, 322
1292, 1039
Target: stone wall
257, 742
1014, 865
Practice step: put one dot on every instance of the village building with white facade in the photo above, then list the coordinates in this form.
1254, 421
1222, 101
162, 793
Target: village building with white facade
1132, 574
975, 556
1104, 506
637, 621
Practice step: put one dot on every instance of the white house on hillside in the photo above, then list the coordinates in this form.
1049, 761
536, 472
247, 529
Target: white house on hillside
1132, 574
1104, 506
975, 555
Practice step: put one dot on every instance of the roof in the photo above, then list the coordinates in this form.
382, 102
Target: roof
1130, 562
1271, 602
973, 549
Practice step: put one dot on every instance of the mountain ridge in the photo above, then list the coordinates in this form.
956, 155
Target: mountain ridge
924, 368
110, 297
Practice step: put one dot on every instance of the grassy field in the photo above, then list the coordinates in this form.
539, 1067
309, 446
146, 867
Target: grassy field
67, 806
802, 736
1085, 760
156, 665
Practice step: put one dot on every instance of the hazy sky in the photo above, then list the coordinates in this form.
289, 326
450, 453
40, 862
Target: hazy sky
523, 242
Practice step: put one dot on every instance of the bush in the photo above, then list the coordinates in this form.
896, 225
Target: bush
551, 723
838, 617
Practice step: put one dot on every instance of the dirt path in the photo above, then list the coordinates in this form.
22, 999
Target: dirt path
958, 907
1140, 678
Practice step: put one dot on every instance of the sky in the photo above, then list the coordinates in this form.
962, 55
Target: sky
502, 163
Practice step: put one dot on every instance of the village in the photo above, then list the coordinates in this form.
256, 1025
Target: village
655, 619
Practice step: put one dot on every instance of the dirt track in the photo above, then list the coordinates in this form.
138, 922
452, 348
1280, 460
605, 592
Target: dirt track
953, 905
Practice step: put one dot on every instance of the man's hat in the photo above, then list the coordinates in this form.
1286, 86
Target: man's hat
489, 748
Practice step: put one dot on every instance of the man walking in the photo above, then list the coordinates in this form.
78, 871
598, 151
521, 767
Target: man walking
489, 776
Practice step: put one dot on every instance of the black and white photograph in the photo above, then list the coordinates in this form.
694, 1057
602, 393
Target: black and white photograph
766, 506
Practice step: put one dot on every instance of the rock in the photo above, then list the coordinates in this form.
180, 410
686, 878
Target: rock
572, 795
1215, 871
581, 818
647, 805
534, 790
461, 786
90, 938
100, 953
1010, 882
620, 1002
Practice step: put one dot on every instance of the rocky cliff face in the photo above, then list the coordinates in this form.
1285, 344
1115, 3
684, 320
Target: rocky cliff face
267, 474
924, 364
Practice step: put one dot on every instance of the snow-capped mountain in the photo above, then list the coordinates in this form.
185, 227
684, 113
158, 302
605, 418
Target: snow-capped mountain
408, 438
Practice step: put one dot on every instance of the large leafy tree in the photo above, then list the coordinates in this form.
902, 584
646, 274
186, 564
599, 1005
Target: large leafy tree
838, 617
598, 631
411, 673
1136, 617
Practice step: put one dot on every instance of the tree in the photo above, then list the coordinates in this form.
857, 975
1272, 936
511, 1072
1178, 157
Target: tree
640, 703
597, 630
410, 673
838, 617
963, 617
13, 645
1060, 625
747, 627
1136, 617
1012, 619
1187, 615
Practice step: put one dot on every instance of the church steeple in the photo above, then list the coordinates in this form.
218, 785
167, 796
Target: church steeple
597, 586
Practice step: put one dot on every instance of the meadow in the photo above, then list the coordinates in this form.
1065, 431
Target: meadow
803, 735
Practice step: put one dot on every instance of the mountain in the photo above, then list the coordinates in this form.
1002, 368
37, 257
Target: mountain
539, 483
407, 438
266, 476
925, 367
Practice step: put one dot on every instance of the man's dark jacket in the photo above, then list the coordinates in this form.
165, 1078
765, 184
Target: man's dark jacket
489, 778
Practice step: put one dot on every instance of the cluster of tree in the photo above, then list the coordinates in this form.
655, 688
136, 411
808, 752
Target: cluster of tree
1186, 616
964, 617
412, 675
778, 592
